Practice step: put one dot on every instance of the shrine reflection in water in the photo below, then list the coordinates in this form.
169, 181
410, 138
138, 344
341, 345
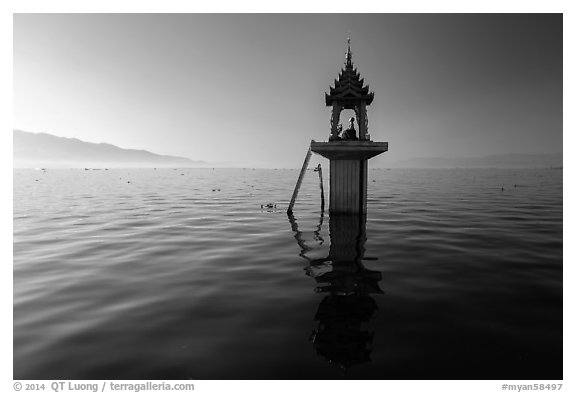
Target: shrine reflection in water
342, 335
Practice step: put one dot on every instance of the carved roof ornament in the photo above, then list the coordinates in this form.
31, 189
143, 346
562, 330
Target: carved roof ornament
349, 88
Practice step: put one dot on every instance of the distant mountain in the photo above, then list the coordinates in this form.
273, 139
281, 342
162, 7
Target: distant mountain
45, 150
493, 161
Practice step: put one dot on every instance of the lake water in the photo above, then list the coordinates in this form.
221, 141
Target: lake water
180, 274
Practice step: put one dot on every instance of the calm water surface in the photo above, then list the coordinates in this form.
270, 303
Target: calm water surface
180, 274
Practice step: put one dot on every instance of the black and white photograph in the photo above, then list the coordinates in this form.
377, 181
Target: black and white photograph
288, 196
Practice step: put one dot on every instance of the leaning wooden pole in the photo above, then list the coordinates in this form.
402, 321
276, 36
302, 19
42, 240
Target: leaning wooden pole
299, 182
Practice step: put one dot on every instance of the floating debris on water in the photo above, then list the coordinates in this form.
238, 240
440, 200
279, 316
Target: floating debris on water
268, 206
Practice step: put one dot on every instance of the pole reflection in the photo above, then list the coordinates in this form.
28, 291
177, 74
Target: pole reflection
341, 336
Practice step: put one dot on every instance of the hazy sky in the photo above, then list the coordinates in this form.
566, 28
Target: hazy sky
249, 89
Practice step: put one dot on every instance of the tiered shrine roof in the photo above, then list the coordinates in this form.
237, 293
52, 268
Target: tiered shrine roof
349, 88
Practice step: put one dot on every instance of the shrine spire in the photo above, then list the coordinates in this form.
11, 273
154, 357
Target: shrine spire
349, 55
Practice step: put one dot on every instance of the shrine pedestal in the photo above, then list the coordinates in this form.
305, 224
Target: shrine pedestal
348, 172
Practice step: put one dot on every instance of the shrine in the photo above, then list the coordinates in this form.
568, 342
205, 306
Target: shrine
347, 151
349, 92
